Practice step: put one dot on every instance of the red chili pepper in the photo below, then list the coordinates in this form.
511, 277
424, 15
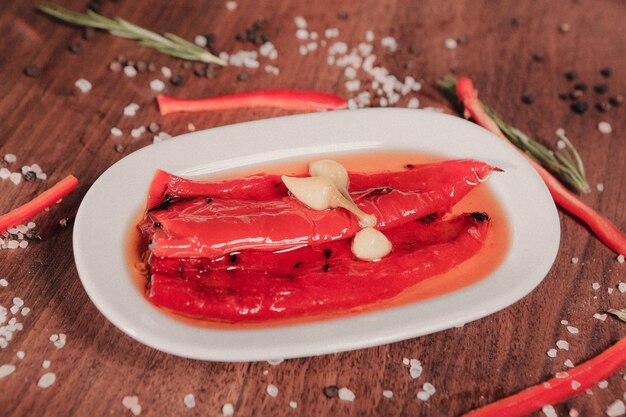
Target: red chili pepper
297, 100
253, 285
41, 202
555, 390
606, 231
216, 226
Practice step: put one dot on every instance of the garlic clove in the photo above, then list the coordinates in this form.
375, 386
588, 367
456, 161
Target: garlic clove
370, 244
320, 193
315, 192
333, 170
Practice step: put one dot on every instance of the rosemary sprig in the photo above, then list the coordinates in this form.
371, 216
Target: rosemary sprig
167, 43
620, 314
566, 165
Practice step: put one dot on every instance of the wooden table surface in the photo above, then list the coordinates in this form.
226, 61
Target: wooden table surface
45, 119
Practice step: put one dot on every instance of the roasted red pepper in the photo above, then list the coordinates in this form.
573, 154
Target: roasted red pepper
297, 100
253, 285
214, 226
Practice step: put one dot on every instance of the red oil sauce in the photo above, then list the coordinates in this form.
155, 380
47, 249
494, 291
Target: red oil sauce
467, 273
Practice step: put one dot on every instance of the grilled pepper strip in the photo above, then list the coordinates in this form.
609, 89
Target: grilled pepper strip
307, 280
606, 231
166, 187
574, 382
214, 227
297, 100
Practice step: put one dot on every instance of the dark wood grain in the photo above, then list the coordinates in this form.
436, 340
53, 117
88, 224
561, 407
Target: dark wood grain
46, 120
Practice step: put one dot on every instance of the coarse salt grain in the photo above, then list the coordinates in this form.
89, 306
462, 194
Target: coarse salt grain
605, 127
561, 144
20, 354
200, 40
414, 103
191, 127
130, 71
228, 410
429, 388
390, 43
272, 390
616, 408
604, 384
346, 395
300, 22
415, 369
189, 400
551, 353
131, 109
4, 173
83, 85
450, 43
569, 363
302, 34
15, 178
599, 316
609, 290
275, 362
620, 259
562, 344
600, 187
423, 395
45, 364
621, 287
549, 411
46, 380
388, 394
10, 158
3, 282
574, 260
561, 375
293, 404
116, 132
573, 413
231, 6
369, 36
595, 286
6, 370
157, 85
572, 329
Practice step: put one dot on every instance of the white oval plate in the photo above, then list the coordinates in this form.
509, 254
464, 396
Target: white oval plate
108, 210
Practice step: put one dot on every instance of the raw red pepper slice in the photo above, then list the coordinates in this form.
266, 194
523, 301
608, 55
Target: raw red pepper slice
314, 280
297, 100
213, 227
575, 381
606, 231
41, 202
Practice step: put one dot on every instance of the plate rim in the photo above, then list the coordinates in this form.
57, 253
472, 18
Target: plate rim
299, 331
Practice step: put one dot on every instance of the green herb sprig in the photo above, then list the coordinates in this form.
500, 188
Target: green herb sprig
620, 314
565, 165
167, 43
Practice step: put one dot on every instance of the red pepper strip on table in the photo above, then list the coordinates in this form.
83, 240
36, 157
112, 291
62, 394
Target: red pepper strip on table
166, 187
557, 389
41, 202
212, 227
606, 231
297, 100
253, 285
